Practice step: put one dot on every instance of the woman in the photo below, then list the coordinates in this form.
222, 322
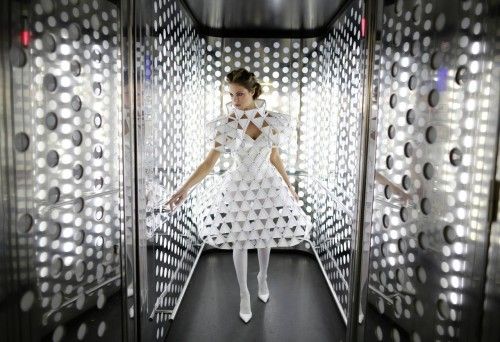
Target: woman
254, 205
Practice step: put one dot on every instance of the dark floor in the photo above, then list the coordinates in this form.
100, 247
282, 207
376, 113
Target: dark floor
300, 306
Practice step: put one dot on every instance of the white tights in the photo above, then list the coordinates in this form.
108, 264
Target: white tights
240, 258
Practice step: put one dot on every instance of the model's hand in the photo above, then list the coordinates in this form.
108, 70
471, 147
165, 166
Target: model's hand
292, 190
177, 198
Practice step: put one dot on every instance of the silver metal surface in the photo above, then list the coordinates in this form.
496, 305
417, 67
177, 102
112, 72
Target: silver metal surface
436, 138
262, 15
63, 153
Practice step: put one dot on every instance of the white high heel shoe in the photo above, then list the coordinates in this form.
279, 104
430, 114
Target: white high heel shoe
262, 296
245, 317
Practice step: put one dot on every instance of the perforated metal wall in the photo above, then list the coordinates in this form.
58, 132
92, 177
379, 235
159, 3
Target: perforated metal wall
62, 186
436, 134
188, 80
170, 65
332, 124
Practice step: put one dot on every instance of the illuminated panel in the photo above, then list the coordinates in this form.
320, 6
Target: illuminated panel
434, 162
67, 101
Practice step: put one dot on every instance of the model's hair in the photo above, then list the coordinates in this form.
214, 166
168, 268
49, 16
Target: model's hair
246, 79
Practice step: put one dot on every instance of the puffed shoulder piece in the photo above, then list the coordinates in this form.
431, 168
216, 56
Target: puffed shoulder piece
222, 133
281, 128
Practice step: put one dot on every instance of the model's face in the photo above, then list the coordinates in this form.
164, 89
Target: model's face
240, 96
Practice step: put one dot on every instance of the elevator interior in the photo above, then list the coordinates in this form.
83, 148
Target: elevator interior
394, 156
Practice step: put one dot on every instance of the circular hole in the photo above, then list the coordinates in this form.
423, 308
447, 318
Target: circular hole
436, 60
384, 249
440, 21
24, 223
398, 9
79, 270
395, 335
421, 274
419, 307
461, 75
393, 101
76, 68
389, 162
428, 170
99, 241
99, 213
402, 245
385, 221
408, 150
56, 267
76, 138
17, 56
425, 205
406, 182
415, 48
54, 194
76, 103
443, 309
27, 301
391, 132
98, 183
387, 192
78, 237
423, 240
50, 82
410, 116
78, 205
417, 14
433, 98
97, 88
400, 276
77, 171
74, 31
97, 120
21, 142
47, 6
450, 234
49, 42
95, 23
96, 56
412, 83
52, 158
398, 304
394, 69
54, 230
98, 152
430, 134
397, 38
403, 213
455, 157
51, 120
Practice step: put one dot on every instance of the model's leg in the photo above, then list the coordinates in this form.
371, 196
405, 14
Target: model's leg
263, 254
240, 258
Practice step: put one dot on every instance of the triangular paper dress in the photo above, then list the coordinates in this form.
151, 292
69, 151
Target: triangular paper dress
251, 206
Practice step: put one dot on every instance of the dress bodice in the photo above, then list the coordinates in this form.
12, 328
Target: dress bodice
229, 132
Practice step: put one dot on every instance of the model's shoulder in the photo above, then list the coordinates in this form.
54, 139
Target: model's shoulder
278, 115
278, 118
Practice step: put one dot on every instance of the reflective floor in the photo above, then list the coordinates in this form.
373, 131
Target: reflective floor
300, 306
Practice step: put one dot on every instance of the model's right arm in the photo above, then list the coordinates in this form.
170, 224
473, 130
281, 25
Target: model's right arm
201, 172
203, 169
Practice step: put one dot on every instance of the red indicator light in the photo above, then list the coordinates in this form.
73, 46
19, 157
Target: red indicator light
363, 27
25, 38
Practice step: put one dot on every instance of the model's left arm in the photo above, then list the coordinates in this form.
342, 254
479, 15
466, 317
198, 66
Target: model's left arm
278, 164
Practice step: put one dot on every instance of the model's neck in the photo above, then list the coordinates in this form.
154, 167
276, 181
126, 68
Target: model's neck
254, 106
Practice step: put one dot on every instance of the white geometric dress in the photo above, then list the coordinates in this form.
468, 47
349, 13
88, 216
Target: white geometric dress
251, 206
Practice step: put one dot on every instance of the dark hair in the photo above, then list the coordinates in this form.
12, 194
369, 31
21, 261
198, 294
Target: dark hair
246, 79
